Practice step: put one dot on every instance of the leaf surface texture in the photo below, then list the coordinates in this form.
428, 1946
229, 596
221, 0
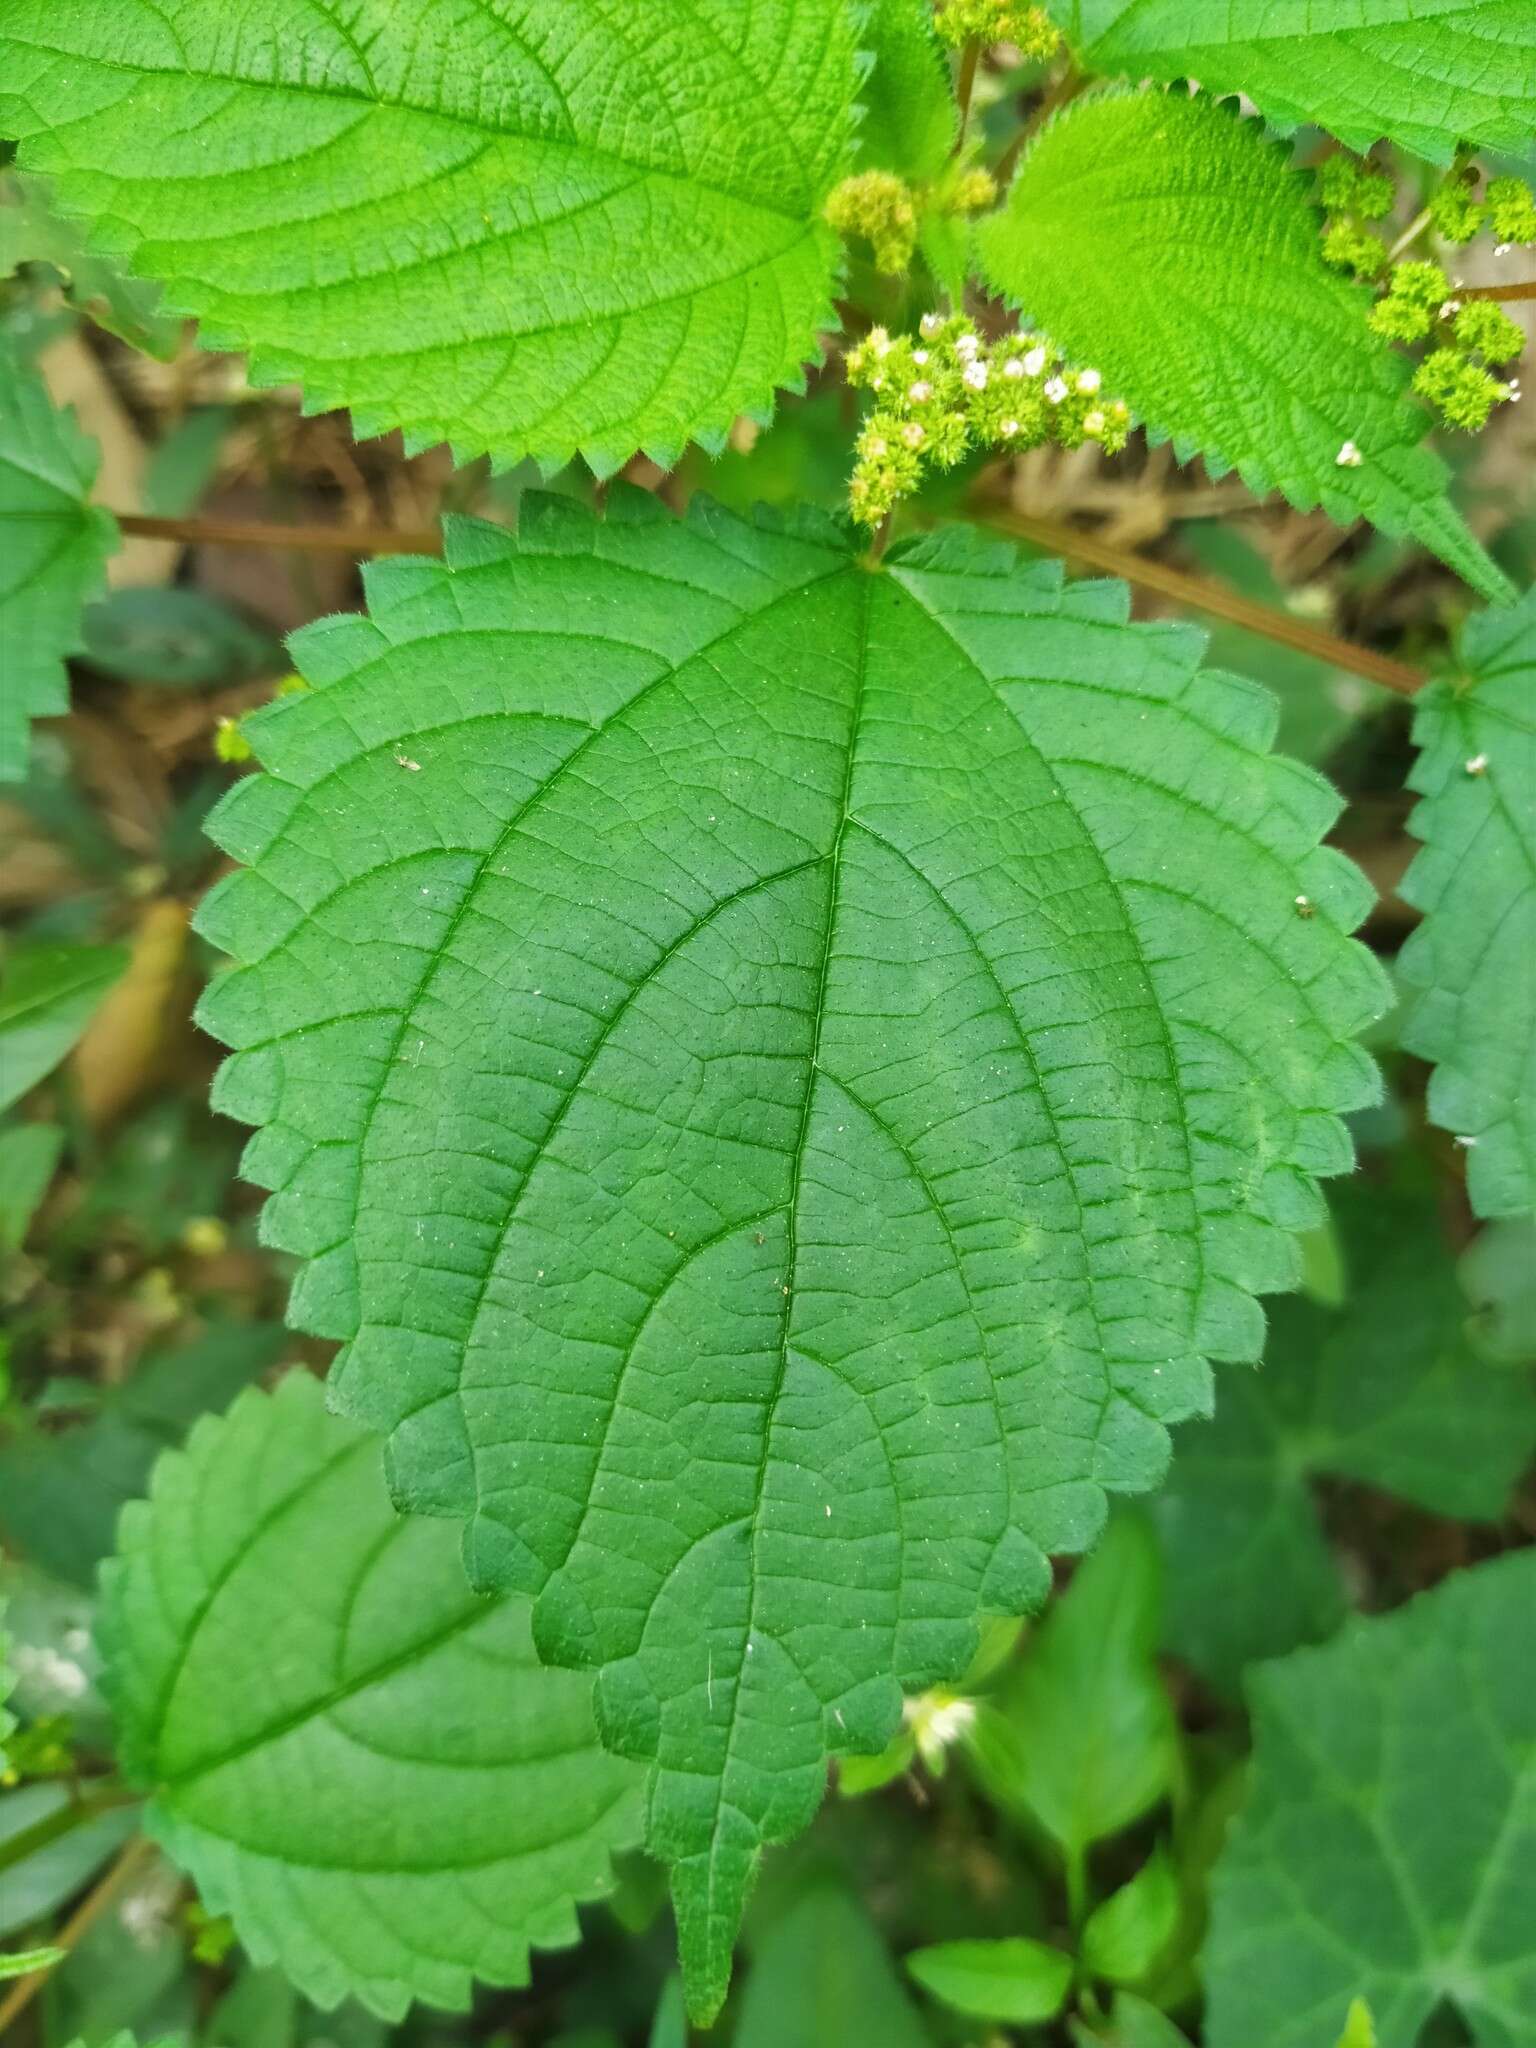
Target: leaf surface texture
356, 1757
1428, 74
1204, 300
782, 1076
525, 229
1470, 968
1386, 1848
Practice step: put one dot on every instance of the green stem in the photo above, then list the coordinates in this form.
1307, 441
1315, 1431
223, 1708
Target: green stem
965, 85
1077, 1888
63, 1822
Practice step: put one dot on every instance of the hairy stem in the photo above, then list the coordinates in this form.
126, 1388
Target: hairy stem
1520, 288
84, 1917
1212, 598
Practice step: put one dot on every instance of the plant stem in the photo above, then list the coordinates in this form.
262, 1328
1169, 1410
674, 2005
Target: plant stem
1523, 288
1077, 1888
63, 1822
84, 1917
1411, 233
1212, 598
256, 533
965, 85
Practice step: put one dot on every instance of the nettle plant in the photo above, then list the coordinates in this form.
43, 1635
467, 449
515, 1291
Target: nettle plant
784, 1047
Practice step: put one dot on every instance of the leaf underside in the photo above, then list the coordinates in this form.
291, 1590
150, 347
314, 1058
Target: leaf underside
53, 546
782, 1075
1388, 1390
1470, 967
356, 1757
1386, 1848
522, 229
1428, 74
1166, 241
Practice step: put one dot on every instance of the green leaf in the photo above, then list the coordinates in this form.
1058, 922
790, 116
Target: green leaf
48, 994
525, 231
180, 639
1014, 1980
355, 1757
29, 1158
778, 1072
1208, 307
1081, 1738
1471, 965
1498, 1272
1133, 2023
909, 116
32, 231
1128, 1932
23, 1962
52, 549
1428, 76
1386, 1849
821, 1973
1390, 1389
65, 1858
61, 1490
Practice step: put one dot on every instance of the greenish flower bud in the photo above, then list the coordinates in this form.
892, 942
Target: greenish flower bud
1348, 247
879, 207
1486, 330
1456, 212
1511, 210
999, 21
1460, 391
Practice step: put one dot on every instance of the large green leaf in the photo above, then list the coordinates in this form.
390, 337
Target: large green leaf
52, 549
1387, 1845
1168, 242
1427, 73
782, 1075
1387, 1389
527, 229
356, 1757
1471, 965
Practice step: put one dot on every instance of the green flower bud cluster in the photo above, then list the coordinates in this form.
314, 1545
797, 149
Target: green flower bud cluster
1455, 376
1353, 193
1030, 29
1506, 208
948, 391
881, 208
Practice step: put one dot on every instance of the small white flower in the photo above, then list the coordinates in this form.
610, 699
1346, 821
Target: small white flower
930, 324
914, 433
1034, 362
1013, 367
920, 392
1349, 456
1008, 429
880, 341
966, 346
1093, 422
879, 446
1088, 381
1450, 307
1502, 248
919, 356
1478, 764
1056, 390
975, 374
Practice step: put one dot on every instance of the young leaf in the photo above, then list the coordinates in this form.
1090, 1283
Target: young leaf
782, 1076
1133, 2023
1017, 1980
52, 549
526, 231
1207, 305
1471, 965
822, 1973
1426, 76
33, 231
29, 1158
48, 995
1386, 1849
356, 1757
909, 115
1128, 1932
1388, 1389
23, 1962
1082, 1738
